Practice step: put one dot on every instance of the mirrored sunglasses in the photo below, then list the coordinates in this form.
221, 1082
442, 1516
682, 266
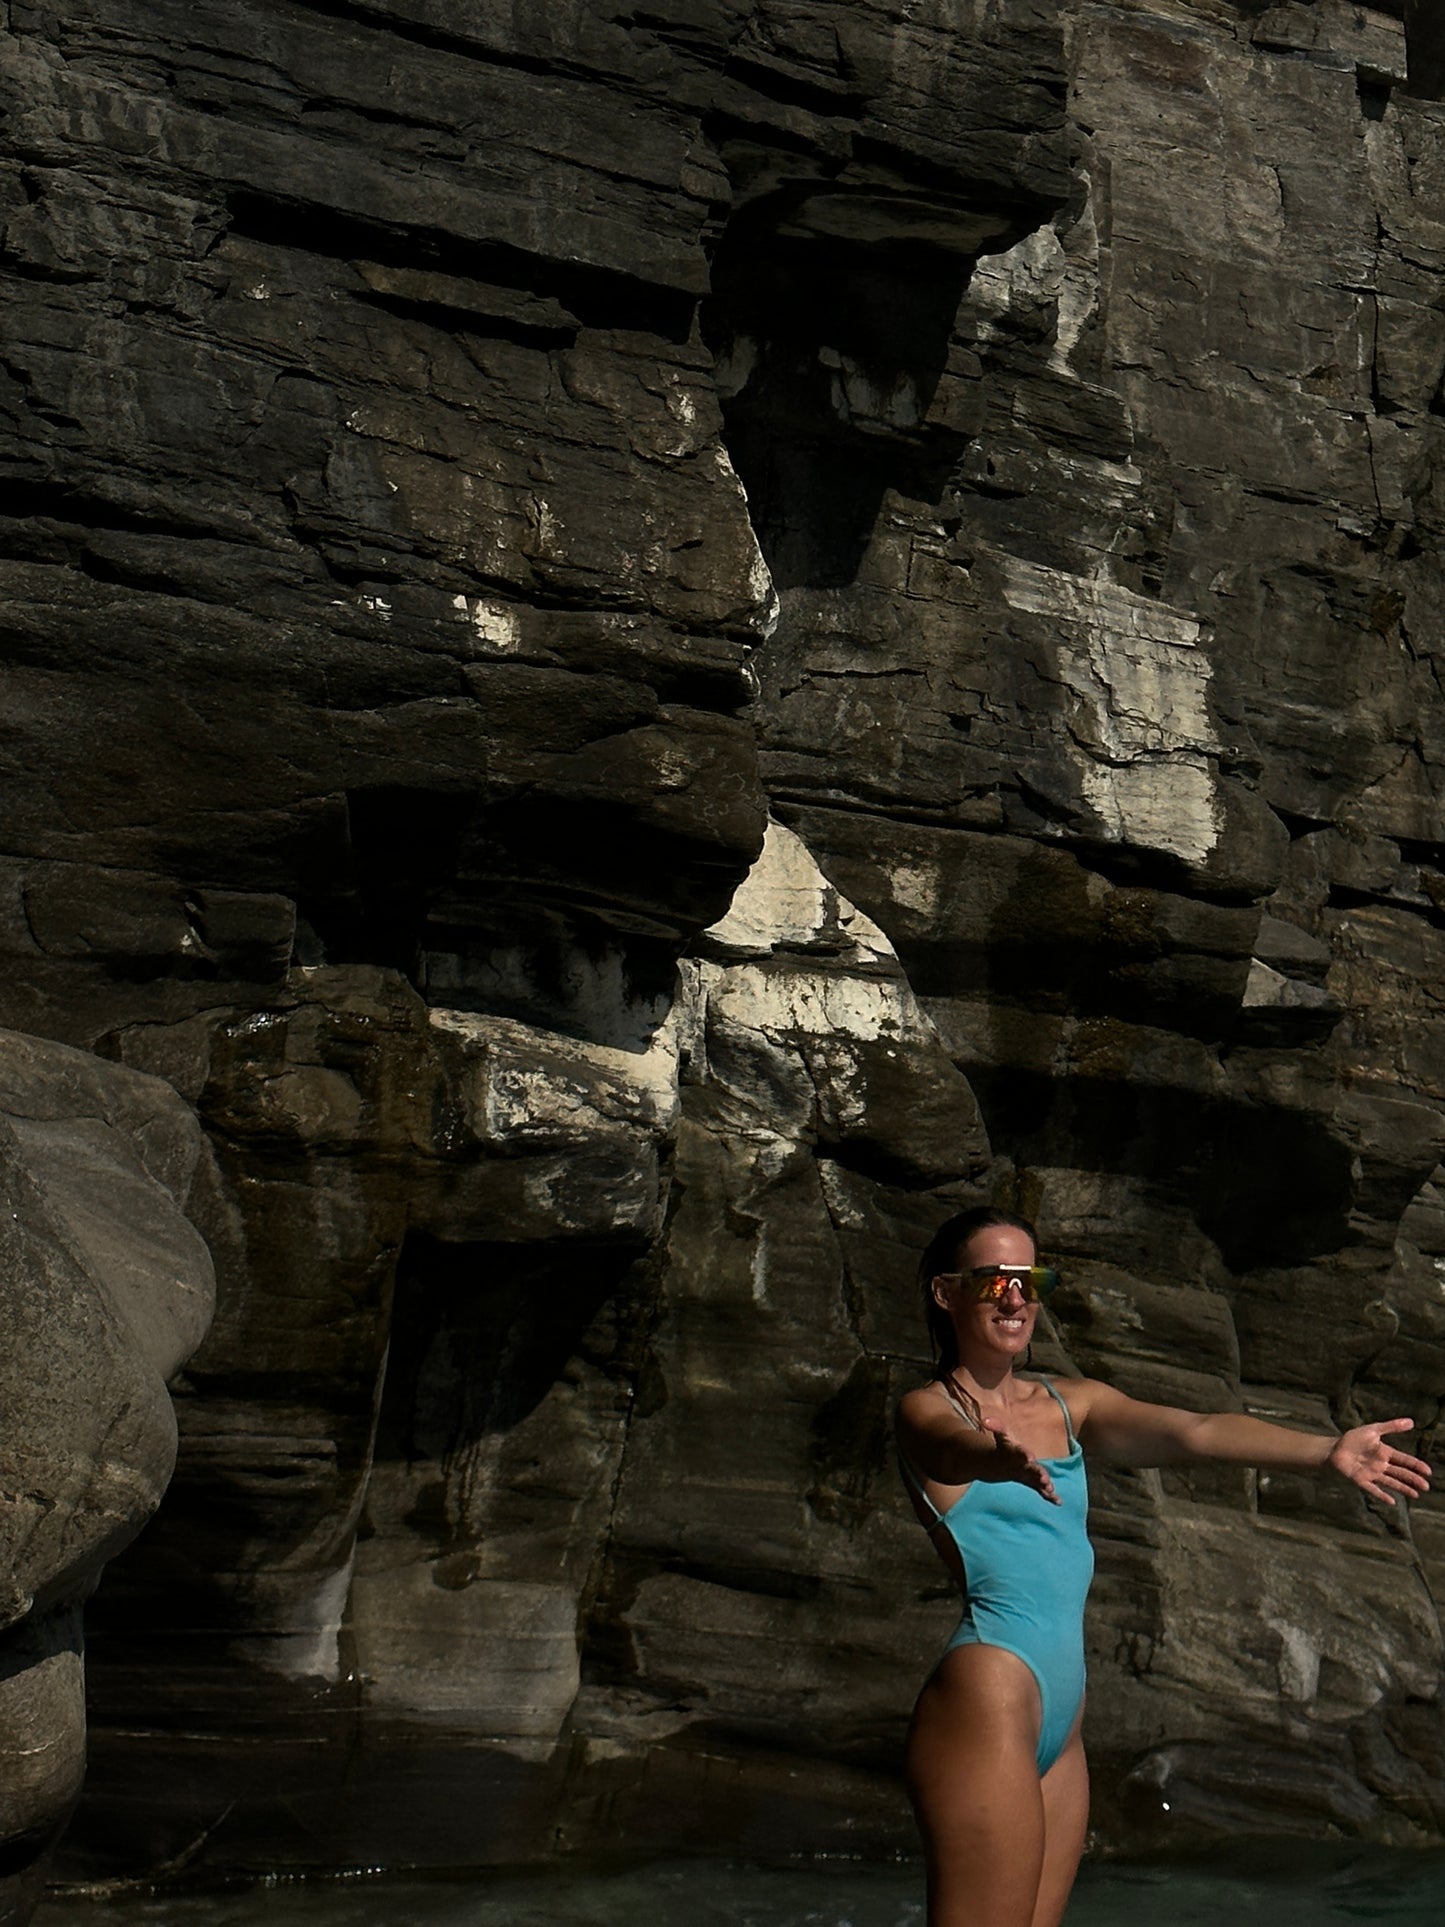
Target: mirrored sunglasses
990, 1283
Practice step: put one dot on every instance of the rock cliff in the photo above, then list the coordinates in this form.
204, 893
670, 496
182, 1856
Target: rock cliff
646, 646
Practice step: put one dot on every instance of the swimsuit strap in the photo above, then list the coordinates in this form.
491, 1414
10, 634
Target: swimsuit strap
955, 1399
1048, 1385
913, 1479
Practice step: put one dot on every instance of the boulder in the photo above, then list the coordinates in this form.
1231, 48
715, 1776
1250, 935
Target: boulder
107, 1289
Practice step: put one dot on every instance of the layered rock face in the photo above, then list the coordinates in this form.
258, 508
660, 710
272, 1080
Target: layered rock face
644, 650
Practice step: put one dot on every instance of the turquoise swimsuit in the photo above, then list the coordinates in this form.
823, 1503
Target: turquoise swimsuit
1027, 1566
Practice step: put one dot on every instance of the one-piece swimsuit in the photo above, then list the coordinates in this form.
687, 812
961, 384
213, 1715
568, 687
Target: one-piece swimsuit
1027, 1566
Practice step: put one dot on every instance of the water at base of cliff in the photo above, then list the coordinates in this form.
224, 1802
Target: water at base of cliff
1294, 1887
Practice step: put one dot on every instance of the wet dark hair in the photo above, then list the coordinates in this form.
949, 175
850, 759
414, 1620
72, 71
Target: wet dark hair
942, 1254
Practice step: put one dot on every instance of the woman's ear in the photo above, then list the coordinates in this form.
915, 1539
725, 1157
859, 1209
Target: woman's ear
939, 1287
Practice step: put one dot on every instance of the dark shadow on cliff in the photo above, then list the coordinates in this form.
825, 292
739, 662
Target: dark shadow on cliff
481, 1332
1270, 1188
830, 318
403, 845
525, 912
1425, 44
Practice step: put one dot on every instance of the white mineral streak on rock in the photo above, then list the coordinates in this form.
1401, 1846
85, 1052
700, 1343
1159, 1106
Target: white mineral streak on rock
758, 1273
532, 1084
1120, 1307
1267, 988
1142, 683
811, 1003
916, 887
1299, 1661
785, 902
843, 1208
1078, 284
995, 278
807, 987
1029, 275
760, 580
493, 624
549, 1192
312, 1652
1097, 473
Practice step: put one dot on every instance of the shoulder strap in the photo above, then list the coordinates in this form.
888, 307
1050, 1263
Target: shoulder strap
1048, 1385
951, 1393
913, 1479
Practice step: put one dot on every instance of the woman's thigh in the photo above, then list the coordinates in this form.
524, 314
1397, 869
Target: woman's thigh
973, 1775
1065, 1790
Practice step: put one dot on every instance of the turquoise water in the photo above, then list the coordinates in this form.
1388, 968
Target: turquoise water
1303, 1888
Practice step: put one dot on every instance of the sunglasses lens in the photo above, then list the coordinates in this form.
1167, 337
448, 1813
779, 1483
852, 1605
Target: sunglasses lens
1033, 1281
993, 1285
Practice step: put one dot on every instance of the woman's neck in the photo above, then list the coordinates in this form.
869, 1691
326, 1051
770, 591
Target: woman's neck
988, 1383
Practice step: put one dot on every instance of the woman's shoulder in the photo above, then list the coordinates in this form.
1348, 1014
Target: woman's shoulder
1077, 1393
924, 1406
922, 1398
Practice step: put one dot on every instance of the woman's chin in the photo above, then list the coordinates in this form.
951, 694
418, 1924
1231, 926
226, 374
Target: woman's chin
999, 1341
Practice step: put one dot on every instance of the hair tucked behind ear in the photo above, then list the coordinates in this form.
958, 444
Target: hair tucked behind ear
944, 1250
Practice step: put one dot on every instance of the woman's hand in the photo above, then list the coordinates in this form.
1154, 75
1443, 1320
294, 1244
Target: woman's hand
1011, 1461
1379, 1470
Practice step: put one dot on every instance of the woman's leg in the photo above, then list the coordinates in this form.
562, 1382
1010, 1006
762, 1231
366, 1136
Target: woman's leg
1065, 1790
973, 1774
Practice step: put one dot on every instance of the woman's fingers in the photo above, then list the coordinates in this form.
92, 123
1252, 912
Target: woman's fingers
1409, 1474
1381, 1471
1378, 1468
1404, 1458
1016, 1462
1410, 1479
1041, 1482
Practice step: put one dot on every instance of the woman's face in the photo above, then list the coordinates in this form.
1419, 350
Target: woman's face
992, 1332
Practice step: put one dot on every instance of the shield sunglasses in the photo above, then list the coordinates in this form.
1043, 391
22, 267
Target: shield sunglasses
990, 1283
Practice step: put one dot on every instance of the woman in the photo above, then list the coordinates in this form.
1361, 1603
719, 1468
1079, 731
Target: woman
994, 1464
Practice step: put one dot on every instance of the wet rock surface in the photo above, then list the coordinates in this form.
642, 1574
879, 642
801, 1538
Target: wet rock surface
645, 649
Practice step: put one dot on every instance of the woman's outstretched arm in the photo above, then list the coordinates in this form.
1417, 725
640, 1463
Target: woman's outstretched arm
1131, 1432
937, 1443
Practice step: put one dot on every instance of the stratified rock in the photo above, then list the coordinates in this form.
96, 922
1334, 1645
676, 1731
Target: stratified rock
475, 472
